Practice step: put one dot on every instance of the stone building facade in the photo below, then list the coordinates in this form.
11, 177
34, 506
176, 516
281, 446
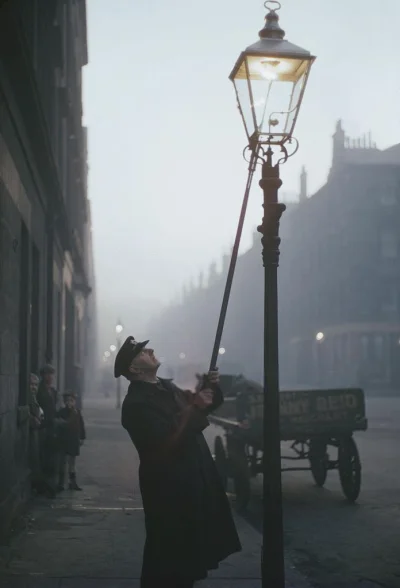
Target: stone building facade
45, 244
340, 253
339, 284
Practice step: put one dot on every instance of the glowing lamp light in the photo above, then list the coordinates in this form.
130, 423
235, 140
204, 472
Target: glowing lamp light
320, 336
182, 355
107, 354
222, 351
113, 348
270, 78
119, 328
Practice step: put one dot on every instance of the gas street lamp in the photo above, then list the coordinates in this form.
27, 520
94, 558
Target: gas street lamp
118, 330
270, 77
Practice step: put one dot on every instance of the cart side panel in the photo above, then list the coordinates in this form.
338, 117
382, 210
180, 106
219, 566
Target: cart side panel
341, 407
303, 413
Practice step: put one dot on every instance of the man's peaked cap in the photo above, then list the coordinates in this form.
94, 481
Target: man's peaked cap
129, 350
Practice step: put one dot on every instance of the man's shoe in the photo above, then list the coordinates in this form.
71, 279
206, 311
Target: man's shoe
72, 483
74, 486
50, 492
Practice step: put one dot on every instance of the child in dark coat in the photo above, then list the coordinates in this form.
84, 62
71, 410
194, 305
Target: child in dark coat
71, 437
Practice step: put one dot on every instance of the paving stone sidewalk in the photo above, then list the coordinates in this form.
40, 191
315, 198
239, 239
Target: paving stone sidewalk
94, 538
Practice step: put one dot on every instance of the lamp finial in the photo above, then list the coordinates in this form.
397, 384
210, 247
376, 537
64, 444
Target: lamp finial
272, 29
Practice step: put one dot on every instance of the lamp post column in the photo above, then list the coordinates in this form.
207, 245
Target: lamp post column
118, 403
272, 559
118, 330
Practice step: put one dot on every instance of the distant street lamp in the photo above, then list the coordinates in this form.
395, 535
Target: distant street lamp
270, 78
182, 355
118, 330
319, 366
107, 354
222, 351
113, 348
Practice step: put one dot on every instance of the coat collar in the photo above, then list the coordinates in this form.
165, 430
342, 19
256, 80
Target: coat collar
139, 388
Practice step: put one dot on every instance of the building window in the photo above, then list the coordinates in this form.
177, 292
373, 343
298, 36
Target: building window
389, 245
389, 192
364, 349
378, 348
390, 300
78, 339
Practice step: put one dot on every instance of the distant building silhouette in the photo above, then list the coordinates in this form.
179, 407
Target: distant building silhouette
339, 276
201, 281
303, 185
213, 274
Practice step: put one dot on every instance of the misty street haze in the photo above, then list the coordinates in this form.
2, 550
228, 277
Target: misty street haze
137, 446
166, 171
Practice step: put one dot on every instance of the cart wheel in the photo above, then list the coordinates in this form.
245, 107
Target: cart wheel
349, 468
318, 458
221, 461
241, 477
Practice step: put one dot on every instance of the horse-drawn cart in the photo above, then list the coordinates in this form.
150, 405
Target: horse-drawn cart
316, 422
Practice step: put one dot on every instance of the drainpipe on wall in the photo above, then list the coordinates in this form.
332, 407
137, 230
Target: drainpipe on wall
49, 288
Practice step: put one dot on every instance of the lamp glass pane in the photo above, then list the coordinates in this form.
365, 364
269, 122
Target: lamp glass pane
243, 95
271, 101
295, 102
269, 91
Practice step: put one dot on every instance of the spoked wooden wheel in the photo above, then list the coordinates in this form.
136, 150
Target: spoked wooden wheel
349, 468
319, 461
241, 477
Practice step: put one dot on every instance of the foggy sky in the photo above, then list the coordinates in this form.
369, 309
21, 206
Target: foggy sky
166, 175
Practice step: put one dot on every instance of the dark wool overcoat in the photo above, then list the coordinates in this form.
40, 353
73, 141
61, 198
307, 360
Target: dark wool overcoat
189, 524
72, 433
48, 401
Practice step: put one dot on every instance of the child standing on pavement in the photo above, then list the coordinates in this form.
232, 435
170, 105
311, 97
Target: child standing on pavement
71, 436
